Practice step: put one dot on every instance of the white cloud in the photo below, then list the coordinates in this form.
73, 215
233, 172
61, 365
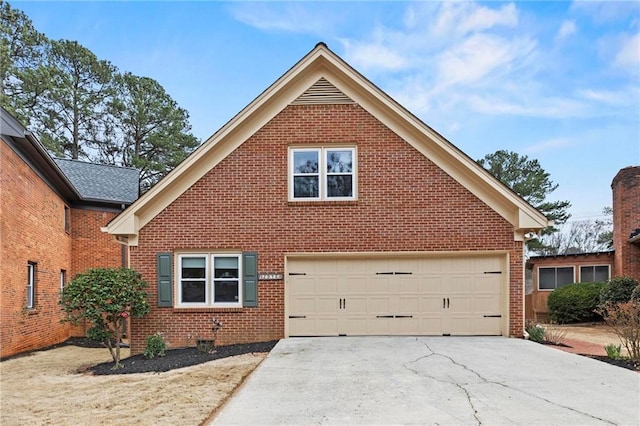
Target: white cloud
368, 56
287, 17
548, 145
566, 29
603, 12
554, 107
480, 55
463, 18
609, 97
628, 57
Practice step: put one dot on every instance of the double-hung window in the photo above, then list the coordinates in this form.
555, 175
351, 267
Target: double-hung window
322, 174
31, 285
555, 277
209, 280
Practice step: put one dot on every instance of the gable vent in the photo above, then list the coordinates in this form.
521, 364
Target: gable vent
322, 92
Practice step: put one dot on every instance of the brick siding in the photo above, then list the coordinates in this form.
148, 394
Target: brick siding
405, 203
33, 230
626, 219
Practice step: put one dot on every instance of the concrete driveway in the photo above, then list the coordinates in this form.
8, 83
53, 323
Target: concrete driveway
431, 380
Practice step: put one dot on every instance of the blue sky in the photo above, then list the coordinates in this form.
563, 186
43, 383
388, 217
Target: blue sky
557, 81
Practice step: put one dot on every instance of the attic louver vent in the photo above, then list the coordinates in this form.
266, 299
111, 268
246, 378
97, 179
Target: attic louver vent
322, 92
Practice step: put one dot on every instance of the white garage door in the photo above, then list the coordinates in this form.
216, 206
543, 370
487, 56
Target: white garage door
395, 296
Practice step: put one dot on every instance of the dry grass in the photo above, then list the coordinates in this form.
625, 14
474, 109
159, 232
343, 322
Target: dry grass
46, 388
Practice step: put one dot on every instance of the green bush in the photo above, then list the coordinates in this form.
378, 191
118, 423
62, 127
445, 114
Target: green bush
635, 294
613, 351
536, 332
618, 290
575, 303
156, 346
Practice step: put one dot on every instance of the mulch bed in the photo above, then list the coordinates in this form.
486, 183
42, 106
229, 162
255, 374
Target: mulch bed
624, 363
178, 358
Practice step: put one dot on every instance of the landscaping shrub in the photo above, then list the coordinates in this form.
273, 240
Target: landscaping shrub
618, 290
624, 319
613, 351
156, 346
536, 332
575, 303
635, 294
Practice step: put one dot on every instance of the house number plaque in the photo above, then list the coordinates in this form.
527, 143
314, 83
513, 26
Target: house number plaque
270, 277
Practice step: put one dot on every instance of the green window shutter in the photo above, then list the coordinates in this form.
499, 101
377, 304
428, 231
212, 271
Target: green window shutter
165, 281
250, 279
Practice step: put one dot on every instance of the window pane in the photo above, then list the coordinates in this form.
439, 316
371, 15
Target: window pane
586, 274
339, 161
193, 267
339, 186
305, 162
601, 274
547, 278
193, 292
225, 291
564, 276
305, 187
226, 267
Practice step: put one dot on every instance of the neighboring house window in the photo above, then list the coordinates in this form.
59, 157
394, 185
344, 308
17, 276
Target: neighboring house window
322, 174
63, 279
209, 280
556, 277
594, 273
31, 285
67, 219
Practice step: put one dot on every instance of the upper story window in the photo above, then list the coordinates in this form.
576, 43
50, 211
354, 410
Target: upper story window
555, 277
322, 174
209, 280
594, 273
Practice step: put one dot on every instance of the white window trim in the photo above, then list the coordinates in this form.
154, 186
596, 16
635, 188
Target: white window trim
63, 279
31, 285
209, 280
322, 172
573, 267
593, 266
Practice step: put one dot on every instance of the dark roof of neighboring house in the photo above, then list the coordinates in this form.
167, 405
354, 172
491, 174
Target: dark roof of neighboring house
594, 253
101, 182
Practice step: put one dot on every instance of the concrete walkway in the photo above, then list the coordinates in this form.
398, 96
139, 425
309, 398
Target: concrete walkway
431, 380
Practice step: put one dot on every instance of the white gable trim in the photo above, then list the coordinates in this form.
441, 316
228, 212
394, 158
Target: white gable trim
322, 63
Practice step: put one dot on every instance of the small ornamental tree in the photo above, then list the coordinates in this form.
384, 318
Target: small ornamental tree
105, 297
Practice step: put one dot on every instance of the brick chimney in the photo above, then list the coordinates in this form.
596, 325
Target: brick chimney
626, 222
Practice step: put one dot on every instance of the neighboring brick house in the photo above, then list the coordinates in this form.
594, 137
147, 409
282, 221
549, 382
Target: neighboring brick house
51, 212
326, 208
551, 272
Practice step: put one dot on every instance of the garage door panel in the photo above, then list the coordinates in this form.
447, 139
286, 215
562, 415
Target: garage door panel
347, 296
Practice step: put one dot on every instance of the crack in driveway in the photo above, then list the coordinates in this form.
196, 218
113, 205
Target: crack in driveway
483, 379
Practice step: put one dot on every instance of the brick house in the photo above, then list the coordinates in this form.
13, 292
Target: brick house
326, 208
51, 211
551, 272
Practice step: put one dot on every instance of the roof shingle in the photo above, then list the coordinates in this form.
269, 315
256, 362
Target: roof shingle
101, 182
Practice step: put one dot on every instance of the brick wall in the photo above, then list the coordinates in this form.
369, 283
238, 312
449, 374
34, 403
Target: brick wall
32, 229
405, 203
626, 219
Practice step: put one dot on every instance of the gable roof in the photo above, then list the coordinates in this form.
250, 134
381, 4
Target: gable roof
96, 181
77, 182
304, 81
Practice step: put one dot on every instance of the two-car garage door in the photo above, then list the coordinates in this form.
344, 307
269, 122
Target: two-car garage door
396, 296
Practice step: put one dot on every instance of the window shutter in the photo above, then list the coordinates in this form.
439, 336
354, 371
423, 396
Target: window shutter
250, 279
165, 282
